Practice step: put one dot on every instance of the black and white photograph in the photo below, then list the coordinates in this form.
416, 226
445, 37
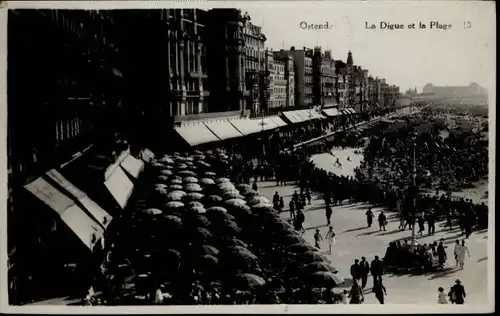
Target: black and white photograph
259, 153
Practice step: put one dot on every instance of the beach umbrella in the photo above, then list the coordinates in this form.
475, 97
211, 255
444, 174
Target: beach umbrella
318, 266
176, 195
172, 205
190, 180
160, 190
226, 187
195, 204
166, 159
216, 209
175, 187
152, 211
193, 187
166, 172
193, 196
173, 221
232, 195
300, 248
258, 200
250, 194
235, 242
243, 187
222, 180
197, 221
248, 282
201, 234
262, 208
157, 165
182, 166
325, 279
208, 250
197, 209
227, 227
209, 174
206, 181
239, 210
162, 179
290, 239
176, 181
204, 164
187, 173
213, 200
236, 202
313, 256
207, 265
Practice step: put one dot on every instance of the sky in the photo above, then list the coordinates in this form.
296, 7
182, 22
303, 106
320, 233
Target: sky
405, 57
408, 57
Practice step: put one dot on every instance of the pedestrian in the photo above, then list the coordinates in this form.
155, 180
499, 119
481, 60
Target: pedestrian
356, 294
330, 236
281, 204
456, 250
276, 201
291, 205
295, 196
308, 195
317, 239
461, 254
401, 222
369, 217
421, 227
380, 291
431, 223
457, 293
441, 296
364, 270
328, 213
254, 185
382, 221
441, 252
355, 270
449, 220
376, 269
299, 221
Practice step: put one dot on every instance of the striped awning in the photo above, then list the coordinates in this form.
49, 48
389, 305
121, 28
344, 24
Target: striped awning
223, 129
332, 112
246, 126
196, 134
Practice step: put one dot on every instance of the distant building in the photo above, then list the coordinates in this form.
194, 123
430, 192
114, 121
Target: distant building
281, 79
303, 66
454, 91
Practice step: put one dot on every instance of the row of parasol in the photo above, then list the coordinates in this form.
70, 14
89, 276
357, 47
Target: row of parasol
205, 240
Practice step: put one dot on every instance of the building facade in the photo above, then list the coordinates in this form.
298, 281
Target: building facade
303, 68
280, 81
254, 63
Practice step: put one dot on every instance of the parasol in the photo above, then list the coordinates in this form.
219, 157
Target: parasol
325, 279
175, 187
300, 248
197, 209
188, 173
209, 174
162, 178
243, 187
193, 187
248, 282
193, 196
174, 205
213, 200
231, 242
236, 202
206, 181
317, 267
258, 200
209, 250
222, 180
166, 160
202, 234
152, 211
182, 167
190, 180
232, 195
160, 190
197, 221
176, 195
313, 256
249, 194
195, 204
176, 181
216, 209
165, 172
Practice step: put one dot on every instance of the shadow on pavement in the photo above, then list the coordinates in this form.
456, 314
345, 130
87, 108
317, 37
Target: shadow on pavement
482, 259
355, 229
319, 226
385, 233
443, 274
367, 233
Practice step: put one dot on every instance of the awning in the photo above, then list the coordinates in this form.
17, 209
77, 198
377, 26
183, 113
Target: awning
268, 123
119, 185
247, 126
293, 117
332, 112
223, 129
196, 134
353, 111
147, 155
99, 214
345, 111
133, 166
277, 120
84, 227
314, 115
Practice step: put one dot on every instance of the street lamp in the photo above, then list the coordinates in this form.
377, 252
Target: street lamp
414, 187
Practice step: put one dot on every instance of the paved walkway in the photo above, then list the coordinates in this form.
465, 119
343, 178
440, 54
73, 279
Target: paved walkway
354, 240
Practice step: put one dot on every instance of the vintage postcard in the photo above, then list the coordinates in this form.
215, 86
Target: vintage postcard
248, 157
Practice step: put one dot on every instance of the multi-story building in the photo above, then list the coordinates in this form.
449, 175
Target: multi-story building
328, 80
280, 81
270, 68
225, 48
341, 84
286, 59
254, 62
303, 66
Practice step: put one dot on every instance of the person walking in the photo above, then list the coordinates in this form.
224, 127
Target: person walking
355, 270
328, 213
308, 195
456, 250
356, 294
364, 271
299, 221
382, 221
281, 204
431, 223
441, 252
317, 239
330, 236
461, 254
441, 296
376, 269
291, 205
421, 223
254, 185
449, 220
276, 201
380, 291
457, 293
369, 217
